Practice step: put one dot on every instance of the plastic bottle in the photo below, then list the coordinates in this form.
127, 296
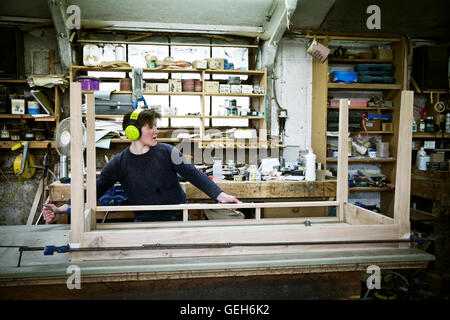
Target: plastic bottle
120, 53
310, 174
414, 126
419, 159
421, 125
217, 170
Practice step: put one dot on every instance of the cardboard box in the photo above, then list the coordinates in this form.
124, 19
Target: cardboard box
18, 106
163, 87
246, 88
383, 52
437, 157
258, 89
236, 88
175, 85
151, 87
387, 126
352, 103
224, 88
200, 64
211, 86
429, 144
216, 63
373, 125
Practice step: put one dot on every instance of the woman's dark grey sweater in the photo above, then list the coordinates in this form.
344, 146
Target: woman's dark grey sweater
151, 178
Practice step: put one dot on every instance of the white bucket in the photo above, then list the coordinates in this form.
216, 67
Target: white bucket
423, 162
382, 149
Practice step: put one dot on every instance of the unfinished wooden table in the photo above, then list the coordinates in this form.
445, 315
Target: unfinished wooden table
329, 274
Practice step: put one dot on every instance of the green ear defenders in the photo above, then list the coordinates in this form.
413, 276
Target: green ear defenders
133, 129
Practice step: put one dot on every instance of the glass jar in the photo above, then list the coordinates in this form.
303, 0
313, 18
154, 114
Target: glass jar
429, 126
414, 126
4, 133
421, 125
29, 135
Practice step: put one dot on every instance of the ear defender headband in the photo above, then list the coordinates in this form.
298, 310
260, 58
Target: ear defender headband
133, 129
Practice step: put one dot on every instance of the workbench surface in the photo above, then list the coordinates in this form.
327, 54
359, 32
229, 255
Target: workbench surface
240, 189
38, 269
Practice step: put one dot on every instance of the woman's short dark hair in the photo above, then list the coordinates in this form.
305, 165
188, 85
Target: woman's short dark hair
147, 116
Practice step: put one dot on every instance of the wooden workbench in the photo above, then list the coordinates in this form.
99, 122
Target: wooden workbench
240, 189
308, 275
432, 193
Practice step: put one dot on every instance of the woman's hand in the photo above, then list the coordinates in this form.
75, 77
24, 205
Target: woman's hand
50, 212
226, 198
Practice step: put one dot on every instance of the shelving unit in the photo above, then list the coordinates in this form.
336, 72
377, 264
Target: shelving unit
256, 77
323, 89
50, 121
364, 160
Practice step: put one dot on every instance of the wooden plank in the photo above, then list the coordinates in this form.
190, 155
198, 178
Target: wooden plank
229, 222
419, 215
342, 167
365, 108
403, 174
27, 116
319, 110
357, 60
242, 190
366, 160
445, 194
253, 190
32, 145
76, 161
364, 86
355, 215
59, 191
91, 201
199, 206
425, 189
36, 201
236, 234
296, 212
168, 70
57, 103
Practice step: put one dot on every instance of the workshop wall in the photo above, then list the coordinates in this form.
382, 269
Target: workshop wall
293, 89
15, 205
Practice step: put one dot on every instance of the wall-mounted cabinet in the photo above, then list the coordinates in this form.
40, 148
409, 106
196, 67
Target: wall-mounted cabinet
324, 90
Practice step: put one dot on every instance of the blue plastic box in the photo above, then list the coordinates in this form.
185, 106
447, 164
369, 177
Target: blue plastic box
386, 117
345, 76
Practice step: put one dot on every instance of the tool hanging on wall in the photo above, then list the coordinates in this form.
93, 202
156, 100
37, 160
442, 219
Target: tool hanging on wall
24, 163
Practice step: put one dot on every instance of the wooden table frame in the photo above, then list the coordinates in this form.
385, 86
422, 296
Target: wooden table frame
352, 223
